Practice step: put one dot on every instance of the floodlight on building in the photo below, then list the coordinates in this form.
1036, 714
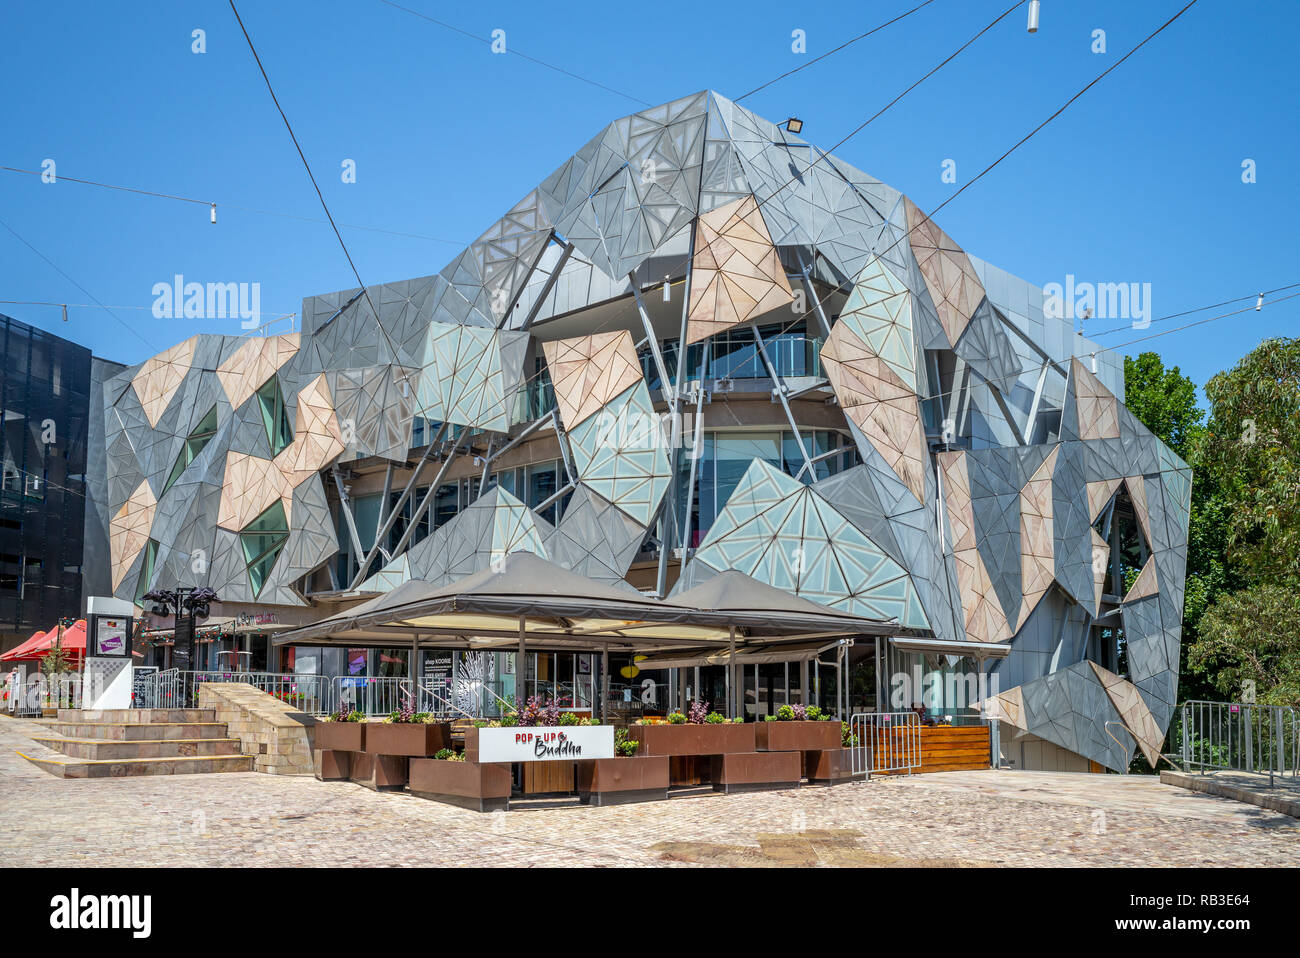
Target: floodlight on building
1033, 16
794, 125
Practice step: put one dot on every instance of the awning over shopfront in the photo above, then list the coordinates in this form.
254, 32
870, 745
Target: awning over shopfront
976, 650
526, 599
749, 655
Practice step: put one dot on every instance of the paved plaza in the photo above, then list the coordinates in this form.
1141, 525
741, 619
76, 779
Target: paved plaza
946, 819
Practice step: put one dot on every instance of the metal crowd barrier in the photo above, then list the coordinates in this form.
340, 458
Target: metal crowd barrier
176, 689
884, 742
1238, 737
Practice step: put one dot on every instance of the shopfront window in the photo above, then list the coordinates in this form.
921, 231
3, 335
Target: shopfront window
392, 662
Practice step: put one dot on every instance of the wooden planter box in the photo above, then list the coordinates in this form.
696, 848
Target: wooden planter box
483, 788
413, 739
755, 771
613, 781
340, 736
380, 772
829, 766
333, 765
797, 736
693, 739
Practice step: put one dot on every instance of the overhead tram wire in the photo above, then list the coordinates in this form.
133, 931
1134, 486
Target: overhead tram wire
365, 290
521, 55
926, 218
819, 301
846, 43
135, 332
158, 194
1189, 312
227, 206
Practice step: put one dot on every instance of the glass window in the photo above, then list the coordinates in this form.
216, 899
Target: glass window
392, 662
194, 443
146, 570
262, 541
543, 482
732, 456
274, 417
446, 503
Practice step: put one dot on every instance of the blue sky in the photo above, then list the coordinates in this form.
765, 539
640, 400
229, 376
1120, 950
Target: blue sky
1139, 181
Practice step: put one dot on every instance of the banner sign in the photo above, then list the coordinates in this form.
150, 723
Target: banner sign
557, 743
111, 635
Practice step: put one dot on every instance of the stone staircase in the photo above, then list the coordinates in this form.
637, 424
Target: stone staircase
112, 743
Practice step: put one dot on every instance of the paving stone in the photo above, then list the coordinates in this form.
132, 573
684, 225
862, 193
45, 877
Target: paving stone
957, 818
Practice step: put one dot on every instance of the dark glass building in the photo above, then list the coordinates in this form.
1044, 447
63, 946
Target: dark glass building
45, 395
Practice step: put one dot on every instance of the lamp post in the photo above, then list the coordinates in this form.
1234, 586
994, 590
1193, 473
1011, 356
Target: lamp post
186, 604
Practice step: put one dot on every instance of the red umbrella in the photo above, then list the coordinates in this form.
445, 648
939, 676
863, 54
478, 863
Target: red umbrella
23, 650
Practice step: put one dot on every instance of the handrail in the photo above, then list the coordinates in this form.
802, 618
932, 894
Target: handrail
1128, 756
450, 705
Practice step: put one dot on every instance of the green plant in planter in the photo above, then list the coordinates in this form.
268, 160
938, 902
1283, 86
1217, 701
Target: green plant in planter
509, 720
847, 738
346, 714
785, 714
813, 713
449, 755
715, 718
569, 718
676, 718
624, 746
590, 721
737, 720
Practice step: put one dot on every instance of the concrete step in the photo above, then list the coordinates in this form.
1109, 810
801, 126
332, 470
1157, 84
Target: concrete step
114, 768
138, 732
135, 716
98, 749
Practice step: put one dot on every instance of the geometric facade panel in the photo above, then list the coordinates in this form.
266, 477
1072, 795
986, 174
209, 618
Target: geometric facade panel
949, 276
737, 274
869, 359
783, 533
619, 453
590, 371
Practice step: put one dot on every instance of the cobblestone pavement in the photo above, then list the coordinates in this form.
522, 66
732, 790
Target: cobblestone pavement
958, 818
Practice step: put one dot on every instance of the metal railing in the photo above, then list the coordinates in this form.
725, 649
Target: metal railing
431, 701
176, 689
1237, 737
884, 742
40, 691
373, 695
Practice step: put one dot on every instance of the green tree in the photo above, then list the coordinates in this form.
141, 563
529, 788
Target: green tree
1164, 400
1251, 454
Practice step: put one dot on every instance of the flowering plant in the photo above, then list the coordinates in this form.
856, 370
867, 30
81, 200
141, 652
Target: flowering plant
539, 712
697, 713
346, 713
405, 714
